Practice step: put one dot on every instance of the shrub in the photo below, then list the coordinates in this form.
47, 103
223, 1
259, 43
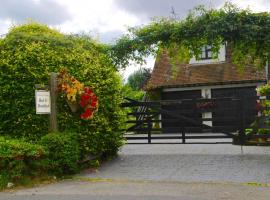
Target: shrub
263, 131
248, 131
63, 152
264, 90
128, 92
18, 159
28, 53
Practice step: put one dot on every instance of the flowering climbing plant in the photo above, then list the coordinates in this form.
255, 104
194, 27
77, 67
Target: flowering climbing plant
77, 94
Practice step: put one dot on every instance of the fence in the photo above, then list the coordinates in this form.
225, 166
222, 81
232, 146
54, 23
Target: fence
186, 120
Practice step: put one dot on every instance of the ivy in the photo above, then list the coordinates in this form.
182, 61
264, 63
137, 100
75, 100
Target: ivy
247, 33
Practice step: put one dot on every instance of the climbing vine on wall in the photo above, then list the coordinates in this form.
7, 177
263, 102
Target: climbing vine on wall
246, 32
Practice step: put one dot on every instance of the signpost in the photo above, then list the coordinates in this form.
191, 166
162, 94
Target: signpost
53, 90
46, 101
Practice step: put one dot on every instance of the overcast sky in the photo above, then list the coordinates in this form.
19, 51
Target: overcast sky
106, 20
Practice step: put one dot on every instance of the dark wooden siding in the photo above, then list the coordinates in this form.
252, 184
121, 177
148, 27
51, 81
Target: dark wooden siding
223, 109
248, 94
188, 107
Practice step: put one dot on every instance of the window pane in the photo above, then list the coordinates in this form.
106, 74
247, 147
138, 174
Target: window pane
203, 55
209, 54
208, 47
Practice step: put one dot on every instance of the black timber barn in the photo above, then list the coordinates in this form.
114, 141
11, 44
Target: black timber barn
205, 78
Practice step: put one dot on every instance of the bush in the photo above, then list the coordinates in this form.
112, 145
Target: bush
263, 131
63, 152
128, 92
19, 159
264, 90
248, 131
28, 53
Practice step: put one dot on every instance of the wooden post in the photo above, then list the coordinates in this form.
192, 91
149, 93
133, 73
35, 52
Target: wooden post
149, 126
53, 92
267, 71
183, 135
243, 121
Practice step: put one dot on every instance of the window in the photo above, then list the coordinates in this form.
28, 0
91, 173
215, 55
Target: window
206, 53
206, 56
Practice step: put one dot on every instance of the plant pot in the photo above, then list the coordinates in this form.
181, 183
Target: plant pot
74, 106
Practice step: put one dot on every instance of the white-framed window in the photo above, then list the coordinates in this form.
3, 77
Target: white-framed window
206, 56
206, 93
206, 53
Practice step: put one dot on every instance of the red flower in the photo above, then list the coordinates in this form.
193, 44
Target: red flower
82, 103
87, 114
94, 103
85, 97
87, 90
89, 103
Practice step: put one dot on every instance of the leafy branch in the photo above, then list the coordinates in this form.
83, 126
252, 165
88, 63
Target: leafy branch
247, 34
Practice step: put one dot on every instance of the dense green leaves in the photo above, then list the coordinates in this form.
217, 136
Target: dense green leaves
138, 79
63, 152
246, 32
56, 154
264, 90
18, 159
28, 54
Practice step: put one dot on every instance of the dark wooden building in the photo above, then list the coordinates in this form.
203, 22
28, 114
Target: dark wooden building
205, 78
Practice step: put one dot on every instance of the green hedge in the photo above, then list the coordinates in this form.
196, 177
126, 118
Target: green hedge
56, 154
28, 53
63, 152
263, 131
19, 159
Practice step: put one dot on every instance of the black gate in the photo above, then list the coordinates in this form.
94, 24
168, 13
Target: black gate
185, 121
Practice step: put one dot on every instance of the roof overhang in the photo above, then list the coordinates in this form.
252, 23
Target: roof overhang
228, 84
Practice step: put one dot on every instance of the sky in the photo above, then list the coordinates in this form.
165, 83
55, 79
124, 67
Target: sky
105, 20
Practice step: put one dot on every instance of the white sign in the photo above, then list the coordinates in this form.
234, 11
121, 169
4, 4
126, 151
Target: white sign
43, 102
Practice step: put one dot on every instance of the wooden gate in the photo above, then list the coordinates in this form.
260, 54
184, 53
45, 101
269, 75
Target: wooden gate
145, 124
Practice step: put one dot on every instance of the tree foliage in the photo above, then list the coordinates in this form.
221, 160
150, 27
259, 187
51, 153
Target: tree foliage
246, 32
137, 79
28, 54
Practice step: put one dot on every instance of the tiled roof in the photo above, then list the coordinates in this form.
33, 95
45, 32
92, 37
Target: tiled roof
164, 75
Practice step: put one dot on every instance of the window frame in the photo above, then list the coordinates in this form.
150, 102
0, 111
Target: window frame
206, 49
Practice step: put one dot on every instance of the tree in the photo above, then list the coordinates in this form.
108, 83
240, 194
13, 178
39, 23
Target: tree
246, 32
139, 78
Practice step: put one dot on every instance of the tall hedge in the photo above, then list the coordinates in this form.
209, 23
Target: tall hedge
28, 53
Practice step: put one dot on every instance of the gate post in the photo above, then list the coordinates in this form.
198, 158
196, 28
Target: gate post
183, 135
243, 122
149, 126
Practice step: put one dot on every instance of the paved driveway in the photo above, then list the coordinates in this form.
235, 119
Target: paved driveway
188, 163
157, 172
128, 190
